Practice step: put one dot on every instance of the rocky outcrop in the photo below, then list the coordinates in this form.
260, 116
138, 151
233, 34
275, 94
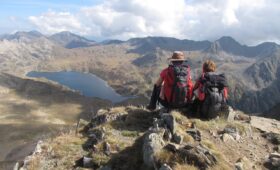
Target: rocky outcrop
134, 138
153, 143
273, 161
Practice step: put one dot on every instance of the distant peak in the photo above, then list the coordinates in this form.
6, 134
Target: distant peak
227, 39
66, 33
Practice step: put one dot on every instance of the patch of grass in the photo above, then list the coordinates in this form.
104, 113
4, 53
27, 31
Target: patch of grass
137, 120
182, 131
184, 167
127, 133
130, 157
117, 110
218, 124
222, 164
34, 164
100, 159
241, 128
65, 145
165, 156
179, 117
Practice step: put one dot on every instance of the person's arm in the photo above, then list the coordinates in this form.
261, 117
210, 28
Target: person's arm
196, 85
159, 82
189, 86
190, 90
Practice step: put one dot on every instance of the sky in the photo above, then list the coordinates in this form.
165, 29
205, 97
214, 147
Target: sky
248, 21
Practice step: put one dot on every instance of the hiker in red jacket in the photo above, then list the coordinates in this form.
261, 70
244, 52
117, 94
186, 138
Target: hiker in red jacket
212, 92
173, 89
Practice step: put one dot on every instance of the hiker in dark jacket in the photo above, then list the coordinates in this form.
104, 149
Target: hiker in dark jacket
212, 92
173, 89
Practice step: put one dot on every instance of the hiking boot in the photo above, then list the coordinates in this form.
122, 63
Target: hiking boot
151, 107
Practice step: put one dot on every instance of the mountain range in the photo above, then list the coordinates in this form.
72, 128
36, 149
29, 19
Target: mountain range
132, 66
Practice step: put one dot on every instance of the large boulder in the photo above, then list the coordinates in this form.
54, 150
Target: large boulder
169, 122
104, 116
273, 161
153, 143
198, 155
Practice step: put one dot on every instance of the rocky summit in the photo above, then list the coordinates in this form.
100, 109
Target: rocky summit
127, 138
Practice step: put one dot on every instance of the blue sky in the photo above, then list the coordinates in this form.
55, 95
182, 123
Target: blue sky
248, 21
14, 13
33, 7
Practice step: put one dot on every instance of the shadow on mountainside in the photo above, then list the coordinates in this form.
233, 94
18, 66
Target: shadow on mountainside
47, 93
33, 109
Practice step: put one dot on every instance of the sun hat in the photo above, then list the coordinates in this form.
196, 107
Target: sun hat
177, 56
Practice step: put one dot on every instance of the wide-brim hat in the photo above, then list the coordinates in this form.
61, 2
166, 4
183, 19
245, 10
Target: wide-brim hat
177, 56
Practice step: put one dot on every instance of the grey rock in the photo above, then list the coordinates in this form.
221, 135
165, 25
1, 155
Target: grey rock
276, 148
169, 122
227, 138
243, 164
273, 161
274, 155
96, 134
195, 133
87, 162
242, 117
167, 136
230, 129
153, 143
16, 167
176, 138
165, 167
156, 123
171, 147
104, 116
238, 166
38, 149
107, 148
199, 155
273, 137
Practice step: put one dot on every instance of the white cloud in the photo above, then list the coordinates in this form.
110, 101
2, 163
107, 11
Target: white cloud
52, 22
248, 21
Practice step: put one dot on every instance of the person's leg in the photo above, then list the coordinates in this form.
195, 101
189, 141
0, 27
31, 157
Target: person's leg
165, 104
154, 98
194, 109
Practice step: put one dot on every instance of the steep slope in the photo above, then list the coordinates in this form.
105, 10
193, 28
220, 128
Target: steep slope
22, 36
18, 57
150, 44
231, 46
274, 112
36, 109
70, 40
266, 70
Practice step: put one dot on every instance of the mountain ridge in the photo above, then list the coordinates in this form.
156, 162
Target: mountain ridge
145, 57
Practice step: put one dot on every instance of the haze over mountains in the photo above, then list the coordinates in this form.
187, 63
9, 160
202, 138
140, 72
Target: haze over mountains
132, 66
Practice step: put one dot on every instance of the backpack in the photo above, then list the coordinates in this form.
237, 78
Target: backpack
214, 93
180, 75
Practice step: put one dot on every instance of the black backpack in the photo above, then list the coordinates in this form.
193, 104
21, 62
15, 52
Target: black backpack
179, 74
215, 101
